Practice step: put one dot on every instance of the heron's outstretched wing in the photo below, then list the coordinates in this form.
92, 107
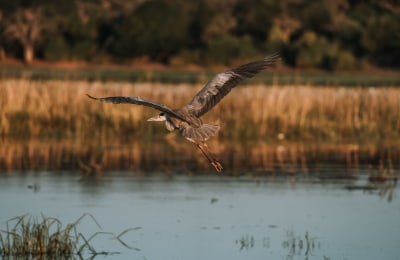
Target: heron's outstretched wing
138, 101
222, 83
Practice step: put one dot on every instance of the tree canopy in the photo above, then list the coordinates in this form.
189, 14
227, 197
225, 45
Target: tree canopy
332, 34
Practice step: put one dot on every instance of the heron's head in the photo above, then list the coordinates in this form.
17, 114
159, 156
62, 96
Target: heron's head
159, 118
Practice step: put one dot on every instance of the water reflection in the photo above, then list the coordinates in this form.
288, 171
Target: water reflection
92, 157
300, 245
337, 201
384, 189
200, 217
245, 242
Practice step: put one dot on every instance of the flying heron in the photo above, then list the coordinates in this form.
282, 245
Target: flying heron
187, 118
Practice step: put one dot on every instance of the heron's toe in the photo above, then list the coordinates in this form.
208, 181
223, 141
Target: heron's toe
217, 165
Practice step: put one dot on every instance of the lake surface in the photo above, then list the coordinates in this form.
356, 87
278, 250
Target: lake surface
299, 216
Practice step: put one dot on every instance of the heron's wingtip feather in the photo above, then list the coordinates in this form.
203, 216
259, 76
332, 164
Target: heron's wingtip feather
274, 57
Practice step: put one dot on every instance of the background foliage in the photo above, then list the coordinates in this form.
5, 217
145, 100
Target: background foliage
332, 34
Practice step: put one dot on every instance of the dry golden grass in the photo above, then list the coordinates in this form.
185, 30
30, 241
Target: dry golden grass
61, 109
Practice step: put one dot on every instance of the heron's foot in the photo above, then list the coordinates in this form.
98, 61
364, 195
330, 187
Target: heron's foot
217, 165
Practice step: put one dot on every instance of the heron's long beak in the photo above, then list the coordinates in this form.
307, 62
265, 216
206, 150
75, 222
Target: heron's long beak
156, 119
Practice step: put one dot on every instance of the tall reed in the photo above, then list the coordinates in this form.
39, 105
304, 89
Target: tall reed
61, 109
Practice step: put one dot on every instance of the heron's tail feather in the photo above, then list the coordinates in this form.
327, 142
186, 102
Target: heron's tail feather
201, 133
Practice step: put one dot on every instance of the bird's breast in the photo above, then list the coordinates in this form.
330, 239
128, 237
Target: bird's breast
187, 113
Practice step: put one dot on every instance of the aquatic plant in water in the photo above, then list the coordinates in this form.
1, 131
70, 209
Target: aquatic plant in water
298, 245
48, 237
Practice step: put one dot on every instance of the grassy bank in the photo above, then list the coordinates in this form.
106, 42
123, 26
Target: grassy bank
60, 109
180, 76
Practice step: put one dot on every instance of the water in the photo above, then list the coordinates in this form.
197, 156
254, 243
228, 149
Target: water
217, 217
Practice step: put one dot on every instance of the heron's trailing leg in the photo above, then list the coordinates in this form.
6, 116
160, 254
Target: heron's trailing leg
214, 162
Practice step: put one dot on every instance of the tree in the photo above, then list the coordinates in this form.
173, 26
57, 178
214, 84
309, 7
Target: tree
2, 52
255, 18
26, 26
157, 29
381, 38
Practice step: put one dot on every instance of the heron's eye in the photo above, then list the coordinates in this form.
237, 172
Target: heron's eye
161, 114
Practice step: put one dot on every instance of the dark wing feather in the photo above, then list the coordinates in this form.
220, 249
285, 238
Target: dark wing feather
222, 83
138, 101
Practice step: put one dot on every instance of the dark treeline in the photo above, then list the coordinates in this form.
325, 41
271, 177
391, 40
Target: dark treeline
331, 35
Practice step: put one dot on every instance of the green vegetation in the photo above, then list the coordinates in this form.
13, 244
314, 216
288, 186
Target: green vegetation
47, 238
170, 76
332, 35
